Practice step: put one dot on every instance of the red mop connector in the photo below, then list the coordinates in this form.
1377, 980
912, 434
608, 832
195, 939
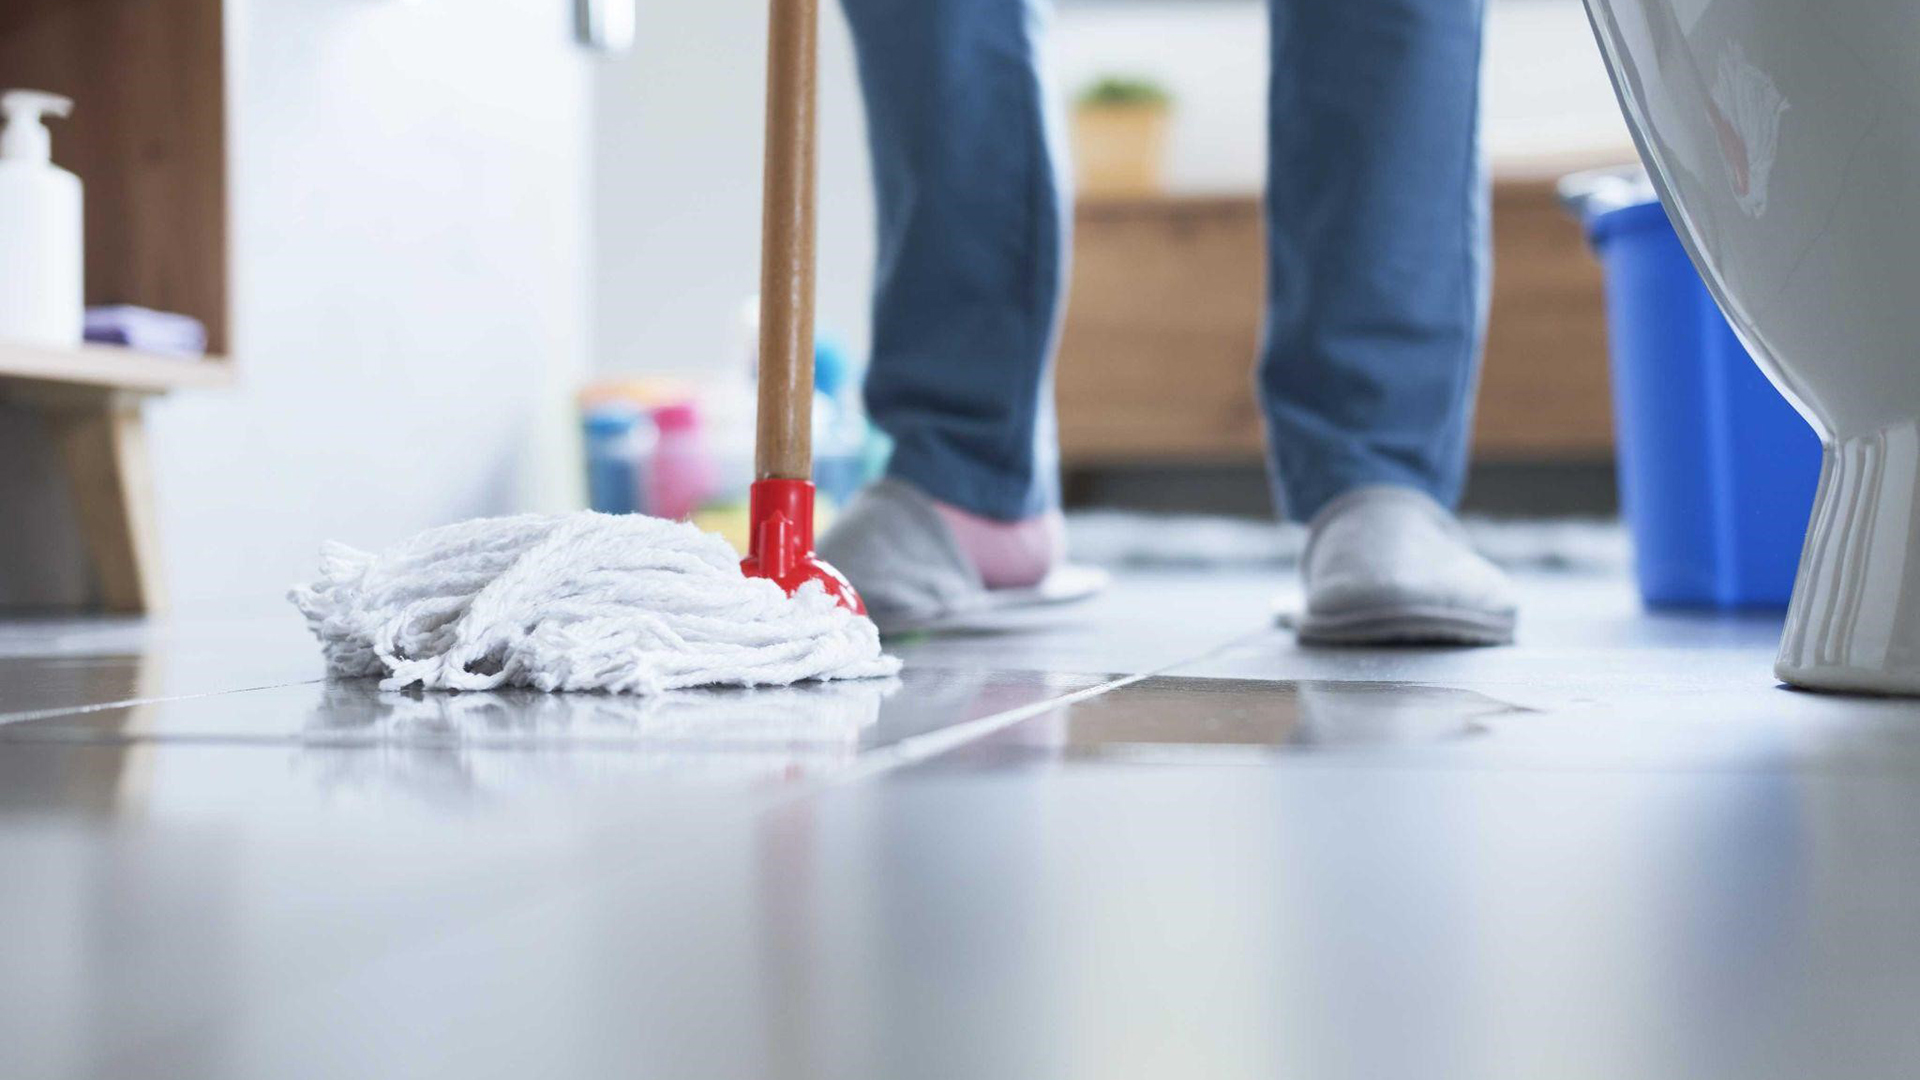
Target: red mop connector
780, 542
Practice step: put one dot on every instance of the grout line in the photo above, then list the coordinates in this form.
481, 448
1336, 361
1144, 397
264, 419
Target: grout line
878, 761
321, 741
919, 748
134, 703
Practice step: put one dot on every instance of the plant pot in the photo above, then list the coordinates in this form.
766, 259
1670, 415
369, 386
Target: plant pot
1119, 150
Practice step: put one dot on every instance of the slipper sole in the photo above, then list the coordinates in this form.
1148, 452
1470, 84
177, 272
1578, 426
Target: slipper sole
1408, 625
1066, 584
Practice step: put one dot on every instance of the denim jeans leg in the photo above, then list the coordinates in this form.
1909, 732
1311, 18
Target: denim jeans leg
1377, 246
974, 213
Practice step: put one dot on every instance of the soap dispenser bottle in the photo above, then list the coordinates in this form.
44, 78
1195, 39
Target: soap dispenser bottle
41, 285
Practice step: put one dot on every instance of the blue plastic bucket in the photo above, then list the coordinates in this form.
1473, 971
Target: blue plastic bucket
1716, 470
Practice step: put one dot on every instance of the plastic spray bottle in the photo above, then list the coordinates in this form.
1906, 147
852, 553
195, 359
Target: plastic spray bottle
42, 289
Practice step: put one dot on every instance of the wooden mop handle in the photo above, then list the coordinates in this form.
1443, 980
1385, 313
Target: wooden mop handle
783, 446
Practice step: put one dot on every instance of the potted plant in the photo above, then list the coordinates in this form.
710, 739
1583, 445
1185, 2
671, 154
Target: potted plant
1120, 135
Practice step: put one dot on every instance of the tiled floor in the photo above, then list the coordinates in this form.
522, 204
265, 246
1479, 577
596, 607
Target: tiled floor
1149, 837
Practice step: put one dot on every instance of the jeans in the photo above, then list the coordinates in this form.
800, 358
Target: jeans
1376, 229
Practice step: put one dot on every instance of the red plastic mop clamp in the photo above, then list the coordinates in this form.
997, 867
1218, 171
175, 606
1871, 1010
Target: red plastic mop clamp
780, 545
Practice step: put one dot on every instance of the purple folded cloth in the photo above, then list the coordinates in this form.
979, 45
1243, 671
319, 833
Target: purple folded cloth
146, 330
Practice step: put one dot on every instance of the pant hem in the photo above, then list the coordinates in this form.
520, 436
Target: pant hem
955, 481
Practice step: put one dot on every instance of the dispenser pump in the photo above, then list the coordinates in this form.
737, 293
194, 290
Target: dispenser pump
25, 136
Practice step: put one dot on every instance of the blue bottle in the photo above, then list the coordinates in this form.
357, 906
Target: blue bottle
839, 429
619, 440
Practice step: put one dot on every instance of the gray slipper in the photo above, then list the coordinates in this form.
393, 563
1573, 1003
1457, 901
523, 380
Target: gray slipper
901, 556
1389, 566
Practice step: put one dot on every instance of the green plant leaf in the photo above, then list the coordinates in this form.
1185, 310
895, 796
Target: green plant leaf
1124, 90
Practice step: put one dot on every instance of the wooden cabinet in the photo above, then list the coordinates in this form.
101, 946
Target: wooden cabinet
148, 140
1545, 393
1156, 360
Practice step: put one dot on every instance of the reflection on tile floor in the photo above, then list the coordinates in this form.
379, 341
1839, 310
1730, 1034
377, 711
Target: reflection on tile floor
1152, 838
55, 665
348, 735
1188, 721
356, 712
1097, 921
1179, 720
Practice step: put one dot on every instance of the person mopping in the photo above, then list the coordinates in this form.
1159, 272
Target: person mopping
1377, 288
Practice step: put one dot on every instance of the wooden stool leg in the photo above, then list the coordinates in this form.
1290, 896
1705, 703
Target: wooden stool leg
103, 448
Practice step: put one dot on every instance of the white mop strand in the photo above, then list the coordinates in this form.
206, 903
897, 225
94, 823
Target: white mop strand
586, 601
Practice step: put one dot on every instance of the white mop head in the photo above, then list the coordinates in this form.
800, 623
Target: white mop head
586, 601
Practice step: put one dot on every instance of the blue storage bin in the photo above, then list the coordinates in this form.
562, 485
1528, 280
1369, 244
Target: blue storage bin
1716, 470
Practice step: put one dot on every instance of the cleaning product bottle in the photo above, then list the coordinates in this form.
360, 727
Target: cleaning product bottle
681, 474
839, 430
41, 288
620, 438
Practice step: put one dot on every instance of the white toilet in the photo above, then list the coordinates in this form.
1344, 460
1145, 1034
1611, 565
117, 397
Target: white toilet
1784, 141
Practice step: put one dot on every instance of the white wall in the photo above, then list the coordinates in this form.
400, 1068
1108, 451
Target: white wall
678, 133
1545, 90
1212, 56
677, 187
409, 253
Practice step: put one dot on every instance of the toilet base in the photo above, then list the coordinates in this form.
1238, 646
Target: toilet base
1854, 625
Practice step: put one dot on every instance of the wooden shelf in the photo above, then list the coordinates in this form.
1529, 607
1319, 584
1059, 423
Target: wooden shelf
109, 367
148, 140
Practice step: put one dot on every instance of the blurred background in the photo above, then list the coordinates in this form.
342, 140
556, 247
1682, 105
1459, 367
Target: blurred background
1166, 102
471, 258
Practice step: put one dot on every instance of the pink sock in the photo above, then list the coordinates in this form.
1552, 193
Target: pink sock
1008, 554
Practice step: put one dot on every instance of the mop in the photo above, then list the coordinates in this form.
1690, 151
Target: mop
633, 604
